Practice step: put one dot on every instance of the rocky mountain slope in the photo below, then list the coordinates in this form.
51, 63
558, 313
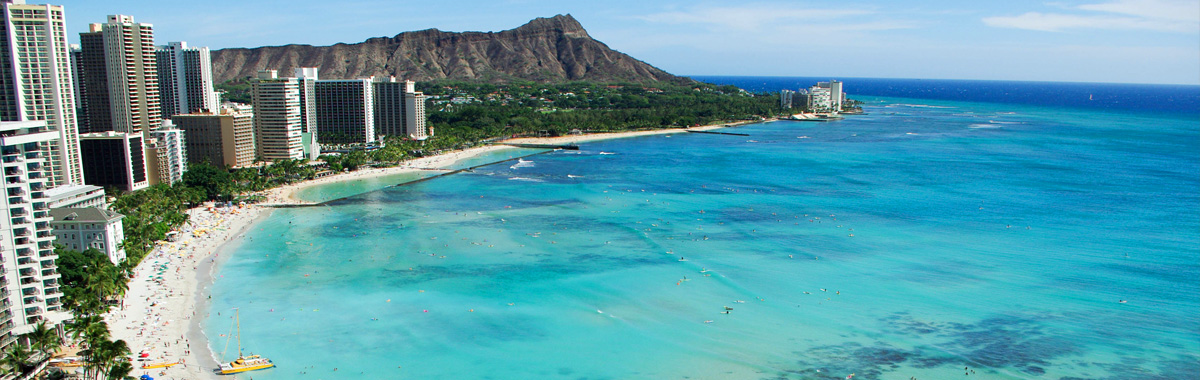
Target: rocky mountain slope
545, 50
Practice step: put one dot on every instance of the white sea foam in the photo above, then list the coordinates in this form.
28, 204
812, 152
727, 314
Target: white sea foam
606, 153
522, 164
527, 179
984, 126
917, 105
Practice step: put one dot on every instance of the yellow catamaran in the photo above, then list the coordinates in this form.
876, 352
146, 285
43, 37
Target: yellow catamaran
242, 363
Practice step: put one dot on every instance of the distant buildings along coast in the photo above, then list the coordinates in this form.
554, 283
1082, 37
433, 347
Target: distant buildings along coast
822, 101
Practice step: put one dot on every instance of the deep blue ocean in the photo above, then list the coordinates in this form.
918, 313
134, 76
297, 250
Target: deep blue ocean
936, 237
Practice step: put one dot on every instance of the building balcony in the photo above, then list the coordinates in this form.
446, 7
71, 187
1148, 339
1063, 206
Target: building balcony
17, 200
32, 155
49, 272
37, 186
20, 221
13, 171
31, 300
19, 211
33, 311
26, 272
40, 206
22, 241
24, 252
25, 261
13, 180
31, 291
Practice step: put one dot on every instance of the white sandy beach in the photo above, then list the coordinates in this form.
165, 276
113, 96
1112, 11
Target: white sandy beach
163, 308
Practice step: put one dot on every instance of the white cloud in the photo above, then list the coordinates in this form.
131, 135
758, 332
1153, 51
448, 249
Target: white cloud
1153, 15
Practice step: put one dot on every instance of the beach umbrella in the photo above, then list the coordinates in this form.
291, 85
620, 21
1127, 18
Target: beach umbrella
146, 377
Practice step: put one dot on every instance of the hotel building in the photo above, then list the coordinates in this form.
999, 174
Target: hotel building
277, 133
345, 111
82, 228
120, 76
29, 279
399, 109
114, 159
185, 82
166, 156
225, 139
307, 78
36, 82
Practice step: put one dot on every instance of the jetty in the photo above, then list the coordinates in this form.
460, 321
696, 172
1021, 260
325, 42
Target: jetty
541, 146
718, 133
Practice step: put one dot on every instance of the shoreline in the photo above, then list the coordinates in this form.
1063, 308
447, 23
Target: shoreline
175, 304
289, 194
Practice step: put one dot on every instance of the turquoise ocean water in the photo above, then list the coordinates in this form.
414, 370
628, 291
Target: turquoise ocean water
919, 239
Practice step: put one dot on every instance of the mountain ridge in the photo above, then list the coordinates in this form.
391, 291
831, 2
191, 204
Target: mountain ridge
554, 49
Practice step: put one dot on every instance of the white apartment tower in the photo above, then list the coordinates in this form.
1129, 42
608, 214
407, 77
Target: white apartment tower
185, 82
36, 82
307, 78
277, 133
29, 280
345, 111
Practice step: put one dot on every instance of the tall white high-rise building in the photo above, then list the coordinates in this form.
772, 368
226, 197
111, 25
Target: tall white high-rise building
307, 78
36, 82
345, 111
185, 83
29, 280
277, 133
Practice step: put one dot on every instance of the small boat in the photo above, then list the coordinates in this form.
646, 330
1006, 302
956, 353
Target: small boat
66, 363
159, 365
243, 363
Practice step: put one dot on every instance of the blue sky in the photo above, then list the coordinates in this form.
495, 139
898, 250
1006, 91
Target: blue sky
1125, 41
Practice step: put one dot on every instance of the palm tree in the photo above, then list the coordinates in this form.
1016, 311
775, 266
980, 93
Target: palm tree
44, 339
16, 360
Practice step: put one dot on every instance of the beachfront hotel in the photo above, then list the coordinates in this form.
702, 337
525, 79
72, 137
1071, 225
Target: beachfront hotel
79, 229
399, 108
166, 159
119, 73
307, 79
185, 83
345, 111
29, 280
277, 133
826, 97
114, 159
224, 139
36, 82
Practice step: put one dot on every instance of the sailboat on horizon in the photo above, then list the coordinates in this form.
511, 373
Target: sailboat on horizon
242, 363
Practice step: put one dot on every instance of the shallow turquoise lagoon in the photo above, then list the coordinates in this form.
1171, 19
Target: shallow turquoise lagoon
916, 240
